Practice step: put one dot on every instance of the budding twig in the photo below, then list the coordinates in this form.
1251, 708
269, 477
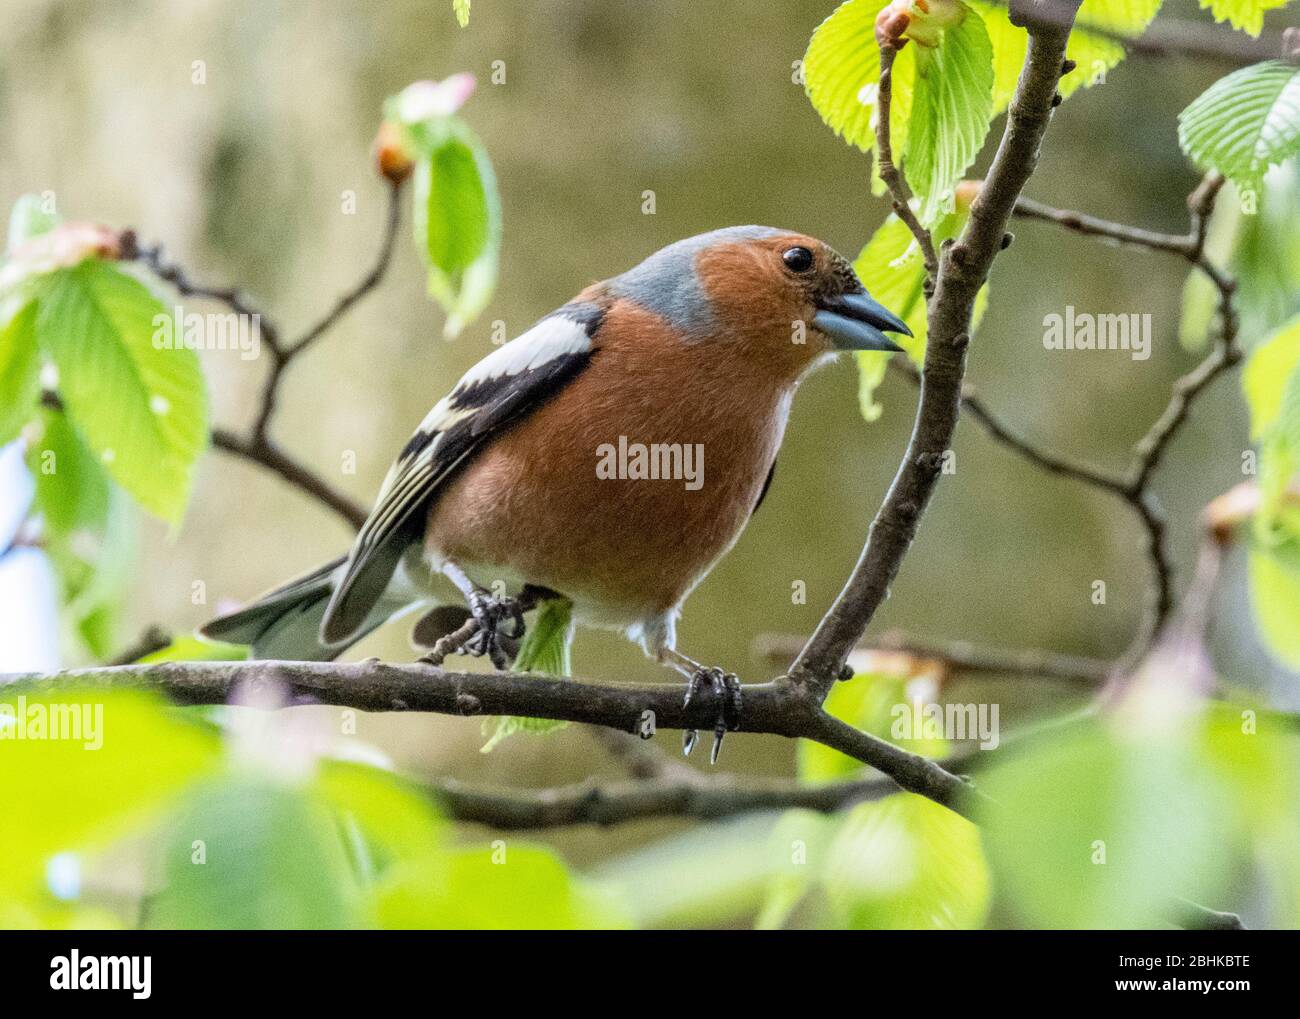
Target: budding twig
258, 446
889, 173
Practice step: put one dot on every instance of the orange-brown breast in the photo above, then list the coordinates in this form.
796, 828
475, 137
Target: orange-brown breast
530, 507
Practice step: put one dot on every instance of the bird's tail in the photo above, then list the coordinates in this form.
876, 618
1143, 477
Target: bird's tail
285, 622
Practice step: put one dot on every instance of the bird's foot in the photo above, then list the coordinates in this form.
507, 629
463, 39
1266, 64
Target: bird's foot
725, 688
500, 623
494, 628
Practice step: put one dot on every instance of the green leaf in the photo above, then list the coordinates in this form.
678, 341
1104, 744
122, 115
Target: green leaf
1124, 17
1245, 123
72, 490
514, 887
1288, 415
20, 372
29, 219
461, 9
1275, 602
141, 409
394, 814
1266, 257
245, 854
952, 107
798, 846
546, 645
891, 268
1271, 383
1106, 825
69, 794
457, 219
1010, 43
545, 648
90, 530
96, 565
842, 73
906, 863
1248, 15
1253, 752
903, 862
705, 876
1264, 378
453, 207
842, 78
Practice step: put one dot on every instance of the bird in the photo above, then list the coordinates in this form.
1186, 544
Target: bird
610, 455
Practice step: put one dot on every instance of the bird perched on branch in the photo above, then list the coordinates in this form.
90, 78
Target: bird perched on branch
610, 455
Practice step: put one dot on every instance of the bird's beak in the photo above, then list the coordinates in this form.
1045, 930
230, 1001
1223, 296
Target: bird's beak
855, 321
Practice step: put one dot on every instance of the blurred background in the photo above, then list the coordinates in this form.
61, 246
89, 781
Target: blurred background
241, 178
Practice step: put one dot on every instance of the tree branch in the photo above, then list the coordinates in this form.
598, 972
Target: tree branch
779, 707
701, 799
963, 268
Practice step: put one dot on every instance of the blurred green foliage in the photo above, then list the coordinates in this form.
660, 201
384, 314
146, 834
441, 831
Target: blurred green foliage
239, 842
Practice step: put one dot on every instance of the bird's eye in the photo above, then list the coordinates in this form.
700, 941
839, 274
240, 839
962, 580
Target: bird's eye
797, 259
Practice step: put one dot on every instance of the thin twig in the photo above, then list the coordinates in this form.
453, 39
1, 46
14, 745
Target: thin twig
270, 456
959, 657
232, 297
259, 447
364, 286
282, 356
979, 410
889, 173
1120, 233
154, 638
1134, 485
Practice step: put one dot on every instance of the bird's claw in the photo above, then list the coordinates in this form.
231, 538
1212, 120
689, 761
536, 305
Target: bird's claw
500, 625
725, 688
494, 629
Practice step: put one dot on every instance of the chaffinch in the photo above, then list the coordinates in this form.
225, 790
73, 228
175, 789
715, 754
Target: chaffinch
571, 460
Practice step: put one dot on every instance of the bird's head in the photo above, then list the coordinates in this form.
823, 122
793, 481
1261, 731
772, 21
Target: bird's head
786, 299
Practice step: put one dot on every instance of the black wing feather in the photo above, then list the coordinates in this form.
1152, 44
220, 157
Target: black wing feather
477, 412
